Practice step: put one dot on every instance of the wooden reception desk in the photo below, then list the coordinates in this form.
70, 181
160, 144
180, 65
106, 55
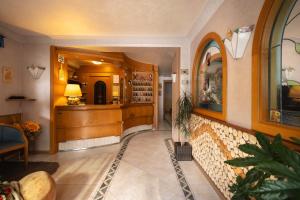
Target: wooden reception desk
96, 121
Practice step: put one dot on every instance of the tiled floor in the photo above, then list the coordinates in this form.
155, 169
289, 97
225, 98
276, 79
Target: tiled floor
144, 172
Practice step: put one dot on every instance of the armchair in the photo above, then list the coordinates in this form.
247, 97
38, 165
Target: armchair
13, 138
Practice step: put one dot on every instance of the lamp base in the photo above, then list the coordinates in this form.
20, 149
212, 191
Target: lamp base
73, 101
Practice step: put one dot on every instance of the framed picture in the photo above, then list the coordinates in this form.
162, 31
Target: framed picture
7, 74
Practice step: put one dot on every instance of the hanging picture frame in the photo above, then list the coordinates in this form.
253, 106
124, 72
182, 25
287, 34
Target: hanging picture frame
7, 74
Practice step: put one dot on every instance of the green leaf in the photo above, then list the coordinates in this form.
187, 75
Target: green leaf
288, 157
277, 186
273, 196
264, 142
253, 175
277, 140
253, 150
244, 162
276, 168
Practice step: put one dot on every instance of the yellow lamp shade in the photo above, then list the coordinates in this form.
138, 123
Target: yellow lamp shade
73, 90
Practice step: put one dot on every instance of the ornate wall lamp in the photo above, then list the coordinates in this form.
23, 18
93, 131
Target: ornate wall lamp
36, 71
236, 41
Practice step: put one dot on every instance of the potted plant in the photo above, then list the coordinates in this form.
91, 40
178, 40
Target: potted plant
183, 150
274, 172
31, 129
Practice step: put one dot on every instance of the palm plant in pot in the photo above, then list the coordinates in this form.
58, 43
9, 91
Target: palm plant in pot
183, 150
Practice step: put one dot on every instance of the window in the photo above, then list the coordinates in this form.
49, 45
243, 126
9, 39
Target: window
209, 77
276, 69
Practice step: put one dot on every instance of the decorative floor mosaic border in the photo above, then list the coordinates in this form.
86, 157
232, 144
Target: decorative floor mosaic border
181, 178
101, 191
100, 194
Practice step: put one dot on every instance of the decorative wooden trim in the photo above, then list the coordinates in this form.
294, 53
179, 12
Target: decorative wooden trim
217, 115
259, 81
155, 96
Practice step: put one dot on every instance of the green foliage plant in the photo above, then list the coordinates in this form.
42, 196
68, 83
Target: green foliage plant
184, 112
274, 171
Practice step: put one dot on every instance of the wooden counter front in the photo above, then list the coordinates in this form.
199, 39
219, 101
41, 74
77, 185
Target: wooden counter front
89, 121
137, 114
96, 121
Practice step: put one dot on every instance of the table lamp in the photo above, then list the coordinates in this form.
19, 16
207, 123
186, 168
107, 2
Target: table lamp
73, 91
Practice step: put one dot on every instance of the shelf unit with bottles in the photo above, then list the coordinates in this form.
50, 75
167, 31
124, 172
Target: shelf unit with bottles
142, 87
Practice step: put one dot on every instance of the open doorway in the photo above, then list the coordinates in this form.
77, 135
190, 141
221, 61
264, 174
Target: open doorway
167, 101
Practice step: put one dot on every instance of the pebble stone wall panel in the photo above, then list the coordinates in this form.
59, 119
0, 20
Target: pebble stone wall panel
213, 143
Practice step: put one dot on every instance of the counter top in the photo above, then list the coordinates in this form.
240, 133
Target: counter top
89, 107
100, 107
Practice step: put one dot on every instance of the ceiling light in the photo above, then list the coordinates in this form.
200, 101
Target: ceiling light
96, 62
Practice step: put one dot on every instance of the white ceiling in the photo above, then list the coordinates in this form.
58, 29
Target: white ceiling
93, 19
143, 18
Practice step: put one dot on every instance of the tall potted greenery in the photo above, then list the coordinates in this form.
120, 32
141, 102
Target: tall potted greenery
183, 150
274, 173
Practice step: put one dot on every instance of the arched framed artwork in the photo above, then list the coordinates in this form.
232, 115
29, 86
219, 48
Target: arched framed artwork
210, 78
276, 69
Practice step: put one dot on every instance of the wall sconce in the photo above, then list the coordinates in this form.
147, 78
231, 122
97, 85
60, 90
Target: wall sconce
61, 73
174, 78
35, 71
73, 91
236, 42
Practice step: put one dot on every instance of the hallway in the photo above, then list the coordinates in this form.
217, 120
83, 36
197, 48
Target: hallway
145, 171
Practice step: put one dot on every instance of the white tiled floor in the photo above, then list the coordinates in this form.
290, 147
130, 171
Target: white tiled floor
145, 172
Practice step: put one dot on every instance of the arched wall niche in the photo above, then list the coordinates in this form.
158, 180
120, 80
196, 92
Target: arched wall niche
262, 78
217, 110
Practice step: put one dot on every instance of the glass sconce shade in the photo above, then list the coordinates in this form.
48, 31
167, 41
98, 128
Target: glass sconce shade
36, 71
236, 42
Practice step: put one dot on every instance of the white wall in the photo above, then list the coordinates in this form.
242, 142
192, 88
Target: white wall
38, 89
161, 98
230, 15
11, 56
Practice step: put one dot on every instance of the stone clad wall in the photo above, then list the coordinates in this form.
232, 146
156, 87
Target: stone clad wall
213, 143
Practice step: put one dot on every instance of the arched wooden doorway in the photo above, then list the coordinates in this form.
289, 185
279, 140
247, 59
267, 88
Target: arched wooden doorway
100, 93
